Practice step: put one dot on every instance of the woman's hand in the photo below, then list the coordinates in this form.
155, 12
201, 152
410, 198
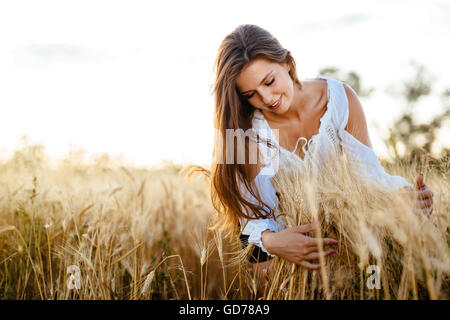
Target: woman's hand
291, 244
422, 195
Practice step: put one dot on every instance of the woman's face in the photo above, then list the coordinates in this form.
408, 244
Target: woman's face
267, 85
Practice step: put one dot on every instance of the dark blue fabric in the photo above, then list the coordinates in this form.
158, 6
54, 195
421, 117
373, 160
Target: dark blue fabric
257, 254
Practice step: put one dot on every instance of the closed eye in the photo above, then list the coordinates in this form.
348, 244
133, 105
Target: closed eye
267, 84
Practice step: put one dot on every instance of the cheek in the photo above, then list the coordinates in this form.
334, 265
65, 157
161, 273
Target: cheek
290, 87
284, 85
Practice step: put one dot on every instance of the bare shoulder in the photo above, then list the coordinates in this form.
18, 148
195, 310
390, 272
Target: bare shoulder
351, 94
356, 113
315, 86
357, 123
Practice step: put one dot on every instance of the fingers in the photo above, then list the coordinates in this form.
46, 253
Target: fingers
310, 266
425, 193
307, 227
427, 203
329, 241
314, 242
425, 199
316, 255
419, 181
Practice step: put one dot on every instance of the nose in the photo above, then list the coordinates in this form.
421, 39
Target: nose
266, 97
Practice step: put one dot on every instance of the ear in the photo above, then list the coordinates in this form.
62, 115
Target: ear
287, 66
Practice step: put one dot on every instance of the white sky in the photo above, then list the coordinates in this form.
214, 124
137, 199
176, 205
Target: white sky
134, 77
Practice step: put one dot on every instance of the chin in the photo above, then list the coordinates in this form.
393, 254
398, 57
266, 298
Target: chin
281, 110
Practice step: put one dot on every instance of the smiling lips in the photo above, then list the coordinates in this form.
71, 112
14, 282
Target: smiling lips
276, 104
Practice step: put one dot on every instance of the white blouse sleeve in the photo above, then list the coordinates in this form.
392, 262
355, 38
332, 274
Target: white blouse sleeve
254, 227
361, 155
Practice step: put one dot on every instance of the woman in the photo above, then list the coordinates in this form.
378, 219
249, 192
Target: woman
257, 89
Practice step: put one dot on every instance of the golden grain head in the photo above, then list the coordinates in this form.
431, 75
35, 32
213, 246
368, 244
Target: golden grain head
116, 223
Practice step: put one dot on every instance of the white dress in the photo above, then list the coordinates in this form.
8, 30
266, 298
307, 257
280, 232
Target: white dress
331, 136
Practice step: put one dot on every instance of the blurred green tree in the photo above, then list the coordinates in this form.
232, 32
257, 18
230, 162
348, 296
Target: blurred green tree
417, 139
351, 78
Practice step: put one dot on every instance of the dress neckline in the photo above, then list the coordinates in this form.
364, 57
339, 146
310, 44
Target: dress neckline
307, 142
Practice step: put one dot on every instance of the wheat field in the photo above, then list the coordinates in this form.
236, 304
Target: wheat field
99, 230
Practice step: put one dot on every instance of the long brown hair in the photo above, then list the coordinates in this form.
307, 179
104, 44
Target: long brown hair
233, 111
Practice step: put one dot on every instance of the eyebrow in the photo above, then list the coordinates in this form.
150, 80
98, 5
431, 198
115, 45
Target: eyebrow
264, 79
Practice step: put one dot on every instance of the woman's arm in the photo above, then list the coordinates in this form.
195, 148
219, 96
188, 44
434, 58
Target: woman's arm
292, 243
357, 124
357, 127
